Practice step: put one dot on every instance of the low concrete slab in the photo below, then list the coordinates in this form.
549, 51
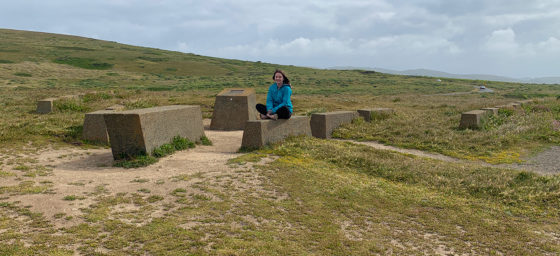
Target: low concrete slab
70, 97
258, 133
375, 113
473, 119
504, 107
491, 111
323, 124
95, 129
233, 108
140, 131
45, 106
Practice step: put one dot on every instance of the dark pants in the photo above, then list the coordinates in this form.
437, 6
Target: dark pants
283, 112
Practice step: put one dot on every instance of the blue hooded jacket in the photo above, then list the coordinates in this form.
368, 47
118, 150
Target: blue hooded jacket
277, 98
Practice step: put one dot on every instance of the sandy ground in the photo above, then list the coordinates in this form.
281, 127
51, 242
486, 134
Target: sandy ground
84, 173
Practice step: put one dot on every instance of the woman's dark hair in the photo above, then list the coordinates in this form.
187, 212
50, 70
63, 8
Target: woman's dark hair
286, 80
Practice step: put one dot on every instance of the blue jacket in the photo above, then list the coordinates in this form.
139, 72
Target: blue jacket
277, 98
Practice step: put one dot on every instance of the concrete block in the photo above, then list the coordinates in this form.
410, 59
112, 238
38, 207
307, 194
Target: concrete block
233, 108
140, 131
473, 119
515, 105
491, 111
45, 106
94, 127
258, 133
375, 113
323, 124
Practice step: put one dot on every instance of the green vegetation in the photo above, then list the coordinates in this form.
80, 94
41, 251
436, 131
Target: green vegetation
433, 126
136, 162
205, 141
177, 143
23, 74
302, 196
83, 63
73, 197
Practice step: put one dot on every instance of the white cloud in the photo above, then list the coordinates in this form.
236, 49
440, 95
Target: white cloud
299, 47
502, 41
551, 45
182, 47
411, 44
405, 34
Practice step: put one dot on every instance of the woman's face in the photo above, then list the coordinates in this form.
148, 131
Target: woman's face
279, 78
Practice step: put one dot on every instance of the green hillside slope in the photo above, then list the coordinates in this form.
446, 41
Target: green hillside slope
36, 65
304, 196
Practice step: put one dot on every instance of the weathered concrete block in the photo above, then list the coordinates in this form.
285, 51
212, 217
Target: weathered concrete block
45, 106
140, 131
491, 111
473, 119
323, 124
233, 108
94, 127
258, 133
515, 105
375, 113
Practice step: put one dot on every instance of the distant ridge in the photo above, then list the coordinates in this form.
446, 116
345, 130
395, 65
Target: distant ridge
435, 73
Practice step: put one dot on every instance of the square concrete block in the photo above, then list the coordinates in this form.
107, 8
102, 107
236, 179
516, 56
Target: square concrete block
233, 108
45, 106
491, 111
323, 124
375, 113
515, 105
473, 119
258, 133
140, 131
94, 127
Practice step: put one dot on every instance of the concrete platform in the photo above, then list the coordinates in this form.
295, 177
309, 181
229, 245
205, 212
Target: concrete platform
323, 124
140, 131
473, 119
375, 113
45, 106
258, 133
233, 108
95, 129
491, 111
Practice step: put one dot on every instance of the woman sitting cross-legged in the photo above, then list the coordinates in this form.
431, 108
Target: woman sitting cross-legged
278, 98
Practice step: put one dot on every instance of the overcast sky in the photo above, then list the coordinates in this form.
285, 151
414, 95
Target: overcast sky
516, 38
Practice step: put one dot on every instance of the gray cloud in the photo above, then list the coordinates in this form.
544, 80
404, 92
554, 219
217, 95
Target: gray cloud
514, 38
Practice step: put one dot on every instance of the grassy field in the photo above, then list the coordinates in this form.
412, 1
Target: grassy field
315, 197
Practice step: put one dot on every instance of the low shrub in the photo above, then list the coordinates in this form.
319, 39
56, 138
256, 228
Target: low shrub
23, 74
177, 143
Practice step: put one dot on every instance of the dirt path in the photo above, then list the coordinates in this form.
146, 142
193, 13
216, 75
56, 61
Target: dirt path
84, 173
546, 162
